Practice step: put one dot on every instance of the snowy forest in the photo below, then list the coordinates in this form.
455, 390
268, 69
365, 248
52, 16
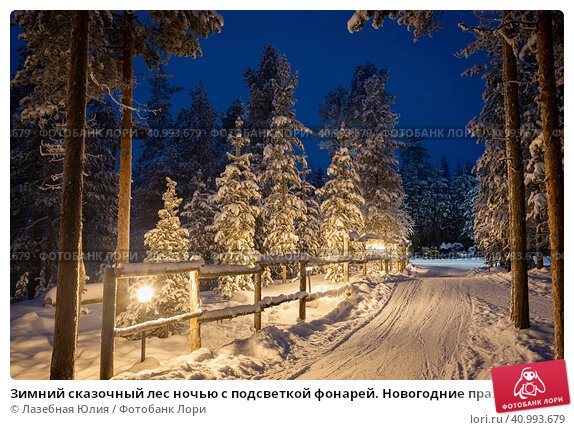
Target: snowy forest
101, 177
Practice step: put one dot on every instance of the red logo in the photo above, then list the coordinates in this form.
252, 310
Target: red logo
529, 386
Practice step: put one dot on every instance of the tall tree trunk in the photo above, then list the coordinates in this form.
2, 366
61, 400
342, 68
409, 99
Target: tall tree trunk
124, 199
516, 198
554, 169
67, 299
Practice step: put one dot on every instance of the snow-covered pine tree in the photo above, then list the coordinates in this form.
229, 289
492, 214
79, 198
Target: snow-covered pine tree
281, 177
101, 179
380, 182
197, 217
308, 229
194, 146
333, 112
33, 225
438, 205
341, 105
317, 176
537, 215
39, 194
226, 127
236, 210
282, 206
46, 65
447, 226
464, 185
490, 204
535, 176
167, 242
153, 164
342, 205
260, 109
415, 170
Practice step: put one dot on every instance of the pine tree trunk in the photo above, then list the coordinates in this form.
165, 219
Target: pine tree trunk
516, 198
67, 299
554, 169
124, 198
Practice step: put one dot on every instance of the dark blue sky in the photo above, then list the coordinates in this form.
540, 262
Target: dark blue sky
424, 76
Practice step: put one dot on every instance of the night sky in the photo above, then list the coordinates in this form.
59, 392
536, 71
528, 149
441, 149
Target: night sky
424, 76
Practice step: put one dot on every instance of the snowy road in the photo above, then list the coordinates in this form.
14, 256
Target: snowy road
440, 325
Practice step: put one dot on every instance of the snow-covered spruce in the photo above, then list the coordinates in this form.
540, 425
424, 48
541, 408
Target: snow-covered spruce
260, 109
308, 229
168, 242
282, 205
156, 161
534, 178
236, 209
197, 218
194, 150
380, 182
341, 208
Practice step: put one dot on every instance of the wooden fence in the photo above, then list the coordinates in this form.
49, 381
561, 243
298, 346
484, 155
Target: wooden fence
198, 270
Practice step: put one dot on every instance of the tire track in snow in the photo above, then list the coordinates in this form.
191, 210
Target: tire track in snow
417, 335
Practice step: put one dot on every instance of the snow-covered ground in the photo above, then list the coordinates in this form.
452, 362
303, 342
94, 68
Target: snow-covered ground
444, 323
436, 322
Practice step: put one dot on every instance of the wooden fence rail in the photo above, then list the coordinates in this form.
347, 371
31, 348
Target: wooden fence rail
198, 270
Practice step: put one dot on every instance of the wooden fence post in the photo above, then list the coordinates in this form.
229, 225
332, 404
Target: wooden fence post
284, 273
387, 264
303, 288
364, 269
108, 325
346, 254
380, 265
256, 299
194, 304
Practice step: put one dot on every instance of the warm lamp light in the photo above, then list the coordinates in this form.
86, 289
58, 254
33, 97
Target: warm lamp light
145, 294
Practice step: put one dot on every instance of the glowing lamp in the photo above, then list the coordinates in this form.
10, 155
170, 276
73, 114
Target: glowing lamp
145, 294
